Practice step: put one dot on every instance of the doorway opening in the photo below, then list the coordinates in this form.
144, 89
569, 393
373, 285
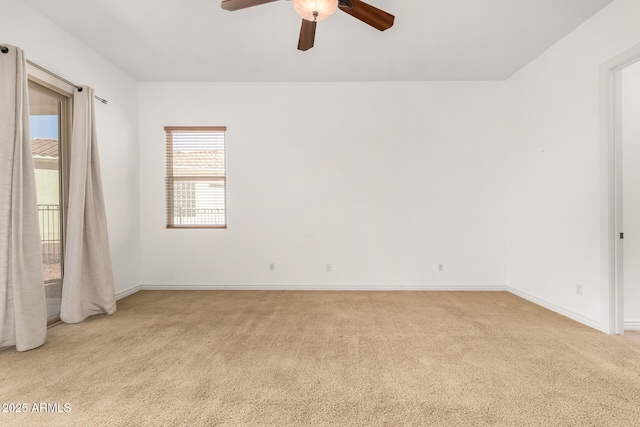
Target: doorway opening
620, 193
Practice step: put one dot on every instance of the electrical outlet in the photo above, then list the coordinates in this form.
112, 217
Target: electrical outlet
327, 268
272, 266
579, 289
441, 268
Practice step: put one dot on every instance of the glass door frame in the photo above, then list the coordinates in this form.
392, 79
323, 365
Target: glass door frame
64, 153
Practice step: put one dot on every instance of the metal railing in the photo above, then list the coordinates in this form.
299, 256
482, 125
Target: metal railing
49, 218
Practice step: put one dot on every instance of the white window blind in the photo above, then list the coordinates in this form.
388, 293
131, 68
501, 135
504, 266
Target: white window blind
196, 177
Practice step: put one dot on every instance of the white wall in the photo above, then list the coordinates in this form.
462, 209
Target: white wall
49, 46
631, 193
383, 180
554, 174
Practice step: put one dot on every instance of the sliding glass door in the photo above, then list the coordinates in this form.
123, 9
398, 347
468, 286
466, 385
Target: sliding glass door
49, 126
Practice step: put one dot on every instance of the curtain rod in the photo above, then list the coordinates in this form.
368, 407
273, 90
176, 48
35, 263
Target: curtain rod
5, 49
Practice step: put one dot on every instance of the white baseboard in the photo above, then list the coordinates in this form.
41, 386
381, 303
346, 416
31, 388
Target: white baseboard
592, 323
324, 287
128, 292
632, 325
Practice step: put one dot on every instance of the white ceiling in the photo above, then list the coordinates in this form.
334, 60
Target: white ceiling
195, 40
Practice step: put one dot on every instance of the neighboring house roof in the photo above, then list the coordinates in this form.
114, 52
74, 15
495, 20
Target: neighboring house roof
198, 162
44, 147
184, 162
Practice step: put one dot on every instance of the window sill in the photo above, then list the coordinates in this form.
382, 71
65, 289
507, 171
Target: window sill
197, 227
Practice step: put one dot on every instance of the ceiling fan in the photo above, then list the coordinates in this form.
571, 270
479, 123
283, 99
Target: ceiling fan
313, 11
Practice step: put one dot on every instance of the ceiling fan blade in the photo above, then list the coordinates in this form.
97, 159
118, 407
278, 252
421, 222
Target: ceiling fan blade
242, 4
307, 35
370, 15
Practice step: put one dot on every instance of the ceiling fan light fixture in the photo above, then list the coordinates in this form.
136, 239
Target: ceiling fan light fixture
315, 10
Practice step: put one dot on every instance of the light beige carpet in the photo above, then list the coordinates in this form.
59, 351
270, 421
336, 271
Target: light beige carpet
201, 358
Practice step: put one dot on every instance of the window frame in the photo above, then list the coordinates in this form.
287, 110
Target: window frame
169, 178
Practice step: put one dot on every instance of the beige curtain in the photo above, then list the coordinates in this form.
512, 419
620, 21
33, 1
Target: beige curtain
88, 286
23, 310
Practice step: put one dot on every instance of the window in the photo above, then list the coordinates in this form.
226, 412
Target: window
196, 177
